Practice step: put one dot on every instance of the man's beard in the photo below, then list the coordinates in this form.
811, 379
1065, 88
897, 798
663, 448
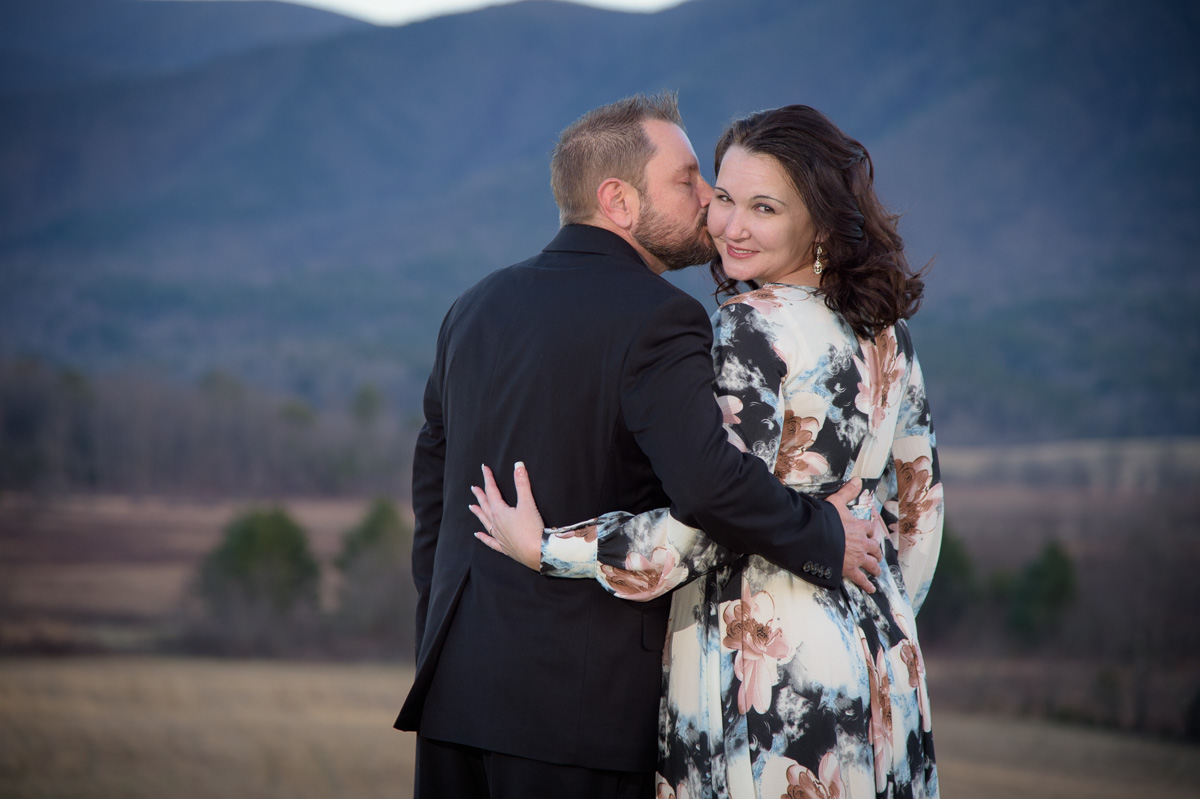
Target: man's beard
676, 247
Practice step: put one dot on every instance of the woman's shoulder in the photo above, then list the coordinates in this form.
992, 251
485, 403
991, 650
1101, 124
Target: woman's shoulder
778, 303
771, 297
900, 334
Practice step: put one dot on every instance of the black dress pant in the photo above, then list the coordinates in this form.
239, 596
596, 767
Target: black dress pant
453, 771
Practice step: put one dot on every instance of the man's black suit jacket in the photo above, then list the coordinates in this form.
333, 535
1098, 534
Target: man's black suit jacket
597, 373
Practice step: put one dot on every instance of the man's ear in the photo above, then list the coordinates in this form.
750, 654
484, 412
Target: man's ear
619, 202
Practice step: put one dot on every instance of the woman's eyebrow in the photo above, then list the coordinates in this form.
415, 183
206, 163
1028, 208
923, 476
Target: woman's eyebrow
755, 197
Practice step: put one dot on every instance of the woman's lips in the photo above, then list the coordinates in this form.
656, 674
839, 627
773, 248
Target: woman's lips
736, 252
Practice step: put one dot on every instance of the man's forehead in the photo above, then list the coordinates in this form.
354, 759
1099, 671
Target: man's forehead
671, 145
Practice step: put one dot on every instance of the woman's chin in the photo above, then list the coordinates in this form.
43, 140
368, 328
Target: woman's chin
743, 275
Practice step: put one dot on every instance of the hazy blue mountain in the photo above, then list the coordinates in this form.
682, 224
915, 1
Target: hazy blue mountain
303, 214
49, 43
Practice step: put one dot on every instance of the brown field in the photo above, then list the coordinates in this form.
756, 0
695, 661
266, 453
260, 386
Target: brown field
95, 563
134, 727
103, 572
1005, 525
95, 568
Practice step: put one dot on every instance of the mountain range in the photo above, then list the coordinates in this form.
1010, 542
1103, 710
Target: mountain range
296, 197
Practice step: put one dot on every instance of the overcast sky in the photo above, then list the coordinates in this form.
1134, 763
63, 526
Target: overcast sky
399, 12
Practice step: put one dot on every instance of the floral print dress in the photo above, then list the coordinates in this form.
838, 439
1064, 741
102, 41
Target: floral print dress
774, 687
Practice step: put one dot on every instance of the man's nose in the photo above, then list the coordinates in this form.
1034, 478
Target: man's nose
706, 193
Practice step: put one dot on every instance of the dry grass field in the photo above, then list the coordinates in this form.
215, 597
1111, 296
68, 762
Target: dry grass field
981, 757
131, 727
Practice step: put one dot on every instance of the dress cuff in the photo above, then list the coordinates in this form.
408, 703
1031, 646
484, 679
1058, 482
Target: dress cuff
571, 551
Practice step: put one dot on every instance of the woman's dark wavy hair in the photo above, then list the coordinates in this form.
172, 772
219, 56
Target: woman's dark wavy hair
866, 278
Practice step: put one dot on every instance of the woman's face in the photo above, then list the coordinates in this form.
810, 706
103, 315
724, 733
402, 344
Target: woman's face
759, 223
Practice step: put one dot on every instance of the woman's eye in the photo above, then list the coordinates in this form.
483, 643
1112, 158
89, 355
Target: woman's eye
764, 208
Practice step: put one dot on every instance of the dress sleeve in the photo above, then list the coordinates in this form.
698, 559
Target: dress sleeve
751, 370
911, 487
643, 556
637, 557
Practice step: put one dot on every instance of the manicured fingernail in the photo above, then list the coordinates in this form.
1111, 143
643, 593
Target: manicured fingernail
519, 465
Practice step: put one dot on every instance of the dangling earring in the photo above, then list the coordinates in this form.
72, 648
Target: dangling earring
819, 267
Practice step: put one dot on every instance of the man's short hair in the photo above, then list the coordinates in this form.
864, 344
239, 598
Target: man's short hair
607, 142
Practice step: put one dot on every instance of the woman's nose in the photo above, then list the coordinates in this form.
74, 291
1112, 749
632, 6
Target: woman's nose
732, 226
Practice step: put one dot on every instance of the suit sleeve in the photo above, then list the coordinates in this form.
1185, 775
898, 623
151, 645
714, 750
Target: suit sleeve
429, 462
667, 398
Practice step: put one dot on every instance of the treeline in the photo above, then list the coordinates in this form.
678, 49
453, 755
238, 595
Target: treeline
63, 431
1122, 612
1020, 610
259, 591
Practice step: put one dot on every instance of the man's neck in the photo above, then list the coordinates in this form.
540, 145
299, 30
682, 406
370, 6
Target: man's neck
653, 264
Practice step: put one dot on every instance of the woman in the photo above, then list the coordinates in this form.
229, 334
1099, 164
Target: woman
774, 686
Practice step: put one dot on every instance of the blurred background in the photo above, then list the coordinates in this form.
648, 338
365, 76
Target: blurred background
229, 232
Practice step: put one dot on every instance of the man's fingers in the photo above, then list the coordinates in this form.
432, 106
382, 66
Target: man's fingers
861, 580
870, 546
847, 493
859, 529
863, 527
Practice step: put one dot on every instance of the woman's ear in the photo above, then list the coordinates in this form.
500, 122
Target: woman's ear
619, 202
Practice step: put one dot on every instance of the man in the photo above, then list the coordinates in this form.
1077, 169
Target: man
586, 365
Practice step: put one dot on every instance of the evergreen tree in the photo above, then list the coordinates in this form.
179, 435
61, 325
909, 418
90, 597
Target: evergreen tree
378, 598
1041, 595
260, 587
